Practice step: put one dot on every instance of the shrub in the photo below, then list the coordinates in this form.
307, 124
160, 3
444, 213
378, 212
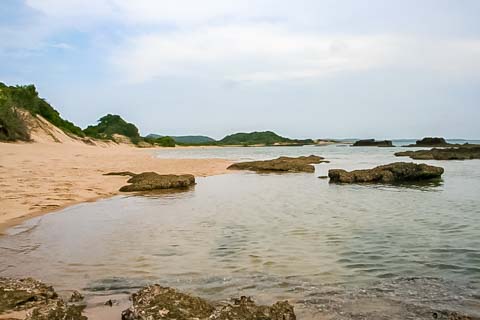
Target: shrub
26, 97
12, 124
112, 124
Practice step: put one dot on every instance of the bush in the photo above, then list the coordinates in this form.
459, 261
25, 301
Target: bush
162, 141
113, 124
12, 124
26, 97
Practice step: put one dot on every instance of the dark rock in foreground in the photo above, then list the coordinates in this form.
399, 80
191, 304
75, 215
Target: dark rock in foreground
16, 295
157, 302
430, 142
461, 153
39, 300
373, 143
394, 172
282, 164
148, 181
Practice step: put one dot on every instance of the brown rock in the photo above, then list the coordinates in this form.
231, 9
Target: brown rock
157, 302
373, 143
394, 172
148, 181
281, 164
464, 152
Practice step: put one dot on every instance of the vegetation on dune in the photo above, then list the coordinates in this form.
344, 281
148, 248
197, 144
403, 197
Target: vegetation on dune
187, 140
263, 137
160, 141
113, 124
12, 123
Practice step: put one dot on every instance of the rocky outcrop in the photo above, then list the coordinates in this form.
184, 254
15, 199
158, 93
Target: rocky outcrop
39, 301
464, 152
282, 164
430, 142
390, 173
157, 302
373, 143
148, 181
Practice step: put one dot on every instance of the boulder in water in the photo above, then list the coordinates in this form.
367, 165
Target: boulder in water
464, 152
373, 143
281, 164
430, 142
394, 172
148, 181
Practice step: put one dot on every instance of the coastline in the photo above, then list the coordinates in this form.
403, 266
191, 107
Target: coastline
43, 177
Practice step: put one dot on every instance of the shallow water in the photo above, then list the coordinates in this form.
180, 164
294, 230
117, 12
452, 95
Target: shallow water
268, 235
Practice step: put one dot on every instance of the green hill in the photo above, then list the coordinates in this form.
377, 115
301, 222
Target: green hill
186, 139
12, 124
261, 138
112, 124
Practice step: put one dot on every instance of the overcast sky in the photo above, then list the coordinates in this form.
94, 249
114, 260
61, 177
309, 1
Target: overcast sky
303, 68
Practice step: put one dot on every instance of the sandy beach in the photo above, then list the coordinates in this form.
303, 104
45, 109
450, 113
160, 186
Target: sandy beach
38, 178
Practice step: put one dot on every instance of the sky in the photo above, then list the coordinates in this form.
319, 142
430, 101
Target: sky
304, 69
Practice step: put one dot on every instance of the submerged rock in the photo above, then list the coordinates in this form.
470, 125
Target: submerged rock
464, 152
39, 300
394, 172
373, 143
148, 181
157, 302
281, 164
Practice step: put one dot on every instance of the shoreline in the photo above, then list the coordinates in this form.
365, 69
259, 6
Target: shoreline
41, 177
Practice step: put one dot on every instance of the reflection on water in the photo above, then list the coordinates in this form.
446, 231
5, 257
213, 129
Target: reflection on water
270, 236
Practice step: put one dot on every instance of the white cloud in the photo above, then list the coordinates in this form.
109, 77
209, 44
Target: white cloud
265, 52
251, 52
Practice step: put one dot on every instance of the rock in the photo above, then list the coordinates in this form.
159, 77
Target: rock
157, 302
281, 164
394, 172
111, 303
120, 173
430, 142
464, 152
57, 310
373, 143
76, 296
323, 177
39, 300
245, 308
148, 181
23, 294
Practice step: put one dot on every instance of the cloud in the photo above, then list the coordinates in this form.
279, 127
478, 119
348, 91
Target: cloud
272, 52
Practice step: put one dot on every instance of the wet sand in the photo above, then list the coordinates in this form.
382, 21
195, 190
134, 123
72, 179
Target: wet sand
38, 178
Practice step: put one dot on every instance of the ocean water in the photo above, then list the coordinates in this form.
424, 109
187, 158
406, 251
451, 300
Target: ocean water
273, 236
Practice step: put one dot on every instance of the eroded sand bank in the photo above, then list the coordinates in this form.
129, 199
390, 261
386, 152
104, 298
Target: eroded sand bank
37, 178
